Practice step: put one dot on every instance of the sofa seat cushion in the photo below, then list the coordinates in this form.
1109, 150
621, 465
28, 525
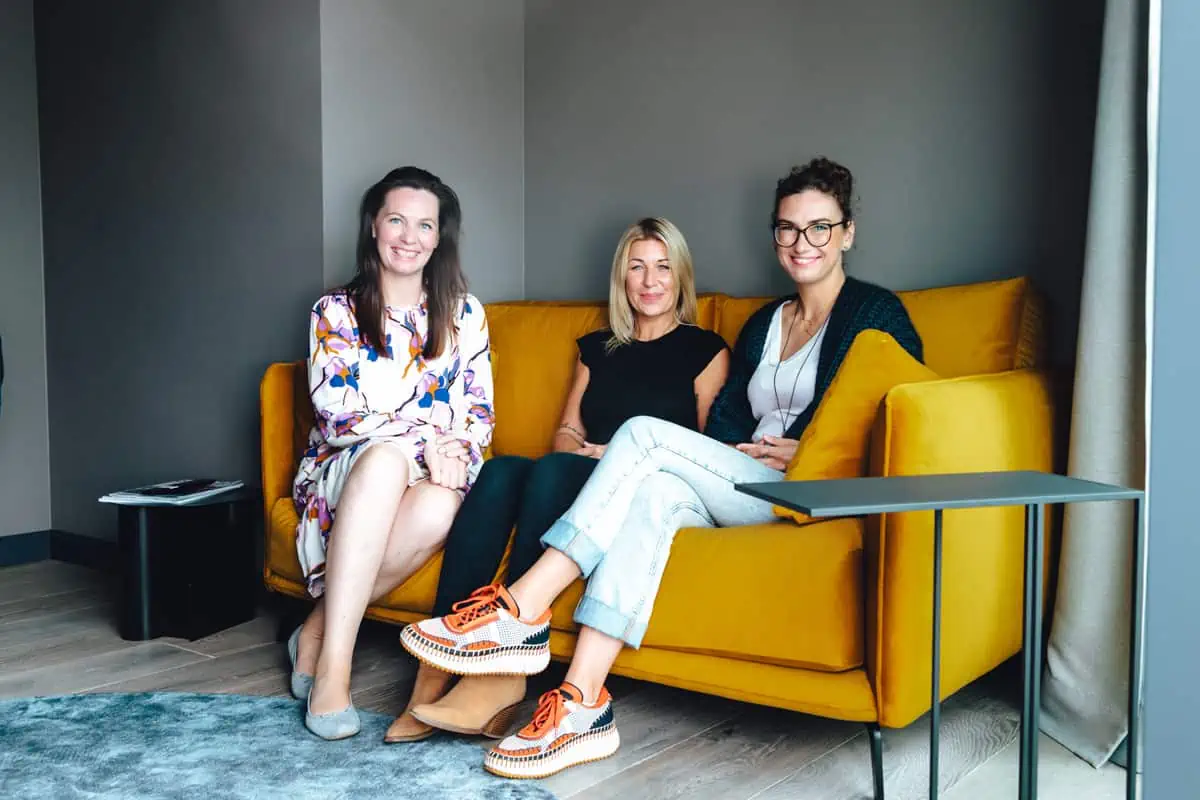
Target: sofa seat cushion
778, 593
414, 595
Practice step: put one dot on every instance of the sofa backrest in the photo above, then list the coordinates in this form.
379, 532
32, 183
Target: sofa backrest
967, 329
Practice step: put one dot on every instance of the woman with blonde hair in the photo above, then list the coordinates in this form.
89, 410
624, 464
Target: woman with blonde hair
657, 477
651, 360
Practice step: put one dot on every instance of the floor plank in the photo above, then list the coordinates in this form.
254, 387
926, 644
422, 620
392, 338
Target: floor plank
650, 720
228, 674
90, 671
257, 631
974, 724
757, 749
45, 578
40, 608
21, 635
1061, 774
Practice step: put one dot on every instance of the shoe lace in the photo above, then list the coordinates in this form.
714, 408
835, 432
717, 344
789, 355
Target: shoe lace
550, 711
480, 603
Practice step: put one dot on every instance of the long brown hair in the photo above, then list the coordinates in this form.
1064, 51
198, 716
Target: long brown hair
442, 277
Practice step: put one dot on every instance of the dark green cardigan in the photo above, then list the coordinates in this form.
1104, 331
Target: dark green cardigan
859, 306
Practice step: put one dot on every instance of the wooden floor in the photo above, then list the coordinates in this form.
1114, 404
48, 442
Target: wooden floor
58, 635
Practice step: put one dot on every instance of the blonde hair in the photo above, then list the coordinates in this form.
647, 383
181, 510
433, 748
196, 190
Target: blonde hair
620, 312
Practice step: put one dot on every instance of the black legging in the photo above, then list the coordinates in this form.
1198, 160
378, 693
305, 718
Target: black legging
510, 490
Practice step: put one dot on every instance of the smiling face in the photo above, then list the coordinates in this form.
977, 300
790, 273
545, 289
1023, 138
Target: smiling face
804, 262
406, 231
649, 280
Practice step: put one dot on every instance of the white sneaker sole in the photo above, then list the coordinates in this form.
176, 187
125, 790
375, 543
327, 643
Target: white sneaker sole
591, 746
516, 660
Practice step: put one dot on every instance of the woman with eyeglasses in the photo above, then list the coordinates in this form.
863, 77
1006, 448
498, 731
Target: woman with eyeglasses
656, 477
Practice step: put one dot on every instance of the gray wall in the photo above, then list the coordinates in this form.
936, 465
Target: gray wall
1172, 636
967, 126
24, 442
181, 168
438, 85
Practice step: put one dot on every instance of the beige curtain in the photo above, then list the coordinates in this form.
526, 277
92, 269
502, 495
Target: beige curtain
1087, 657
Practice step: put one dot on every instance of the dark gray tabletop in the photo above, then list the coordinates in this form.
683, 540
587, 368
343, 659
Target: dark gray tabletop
856, 496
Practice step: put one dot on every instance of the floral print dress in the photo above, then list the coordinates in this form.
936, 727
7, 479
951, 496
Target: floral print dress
362, 398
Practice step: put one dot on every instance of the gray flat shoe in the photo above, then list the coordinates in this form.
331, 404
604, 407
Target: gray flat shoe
301, 683
334, 725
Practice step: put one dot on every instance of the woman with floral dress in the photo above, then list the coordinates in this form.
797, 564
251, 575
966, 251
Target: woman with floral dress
400, 378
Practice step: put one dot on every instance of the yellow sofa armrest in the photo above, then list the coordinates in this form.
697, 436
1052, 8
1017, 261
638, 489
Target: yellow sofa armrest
277, 412
1002, 421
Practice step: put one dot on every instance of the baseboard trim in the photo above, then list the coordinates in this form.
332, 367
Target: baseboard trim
24, 548
87, 551
28, 548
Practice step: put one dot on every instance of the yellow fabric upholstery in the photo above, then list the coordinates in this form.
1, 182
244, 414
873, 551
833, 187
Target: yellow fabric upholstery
831, 617
834, 445
974, 424
974, 329
818, 567
732, 313
530, 391
813, 573
841, 695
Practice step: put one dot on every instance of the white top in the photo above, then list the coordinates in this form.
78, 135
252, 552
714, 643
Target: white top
780, 392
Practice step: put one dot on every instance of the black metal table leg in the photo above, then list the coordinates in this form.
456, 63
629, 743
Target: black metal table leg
1026, 656
935, 707
1031, 651
1136, 602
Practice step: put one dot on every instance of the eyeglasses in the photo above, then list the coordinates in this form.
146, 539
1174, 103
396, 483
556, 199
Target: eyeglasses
817, 234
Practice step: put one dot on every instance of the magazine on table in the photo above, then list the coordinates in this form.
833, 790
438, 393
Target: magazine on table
172, 493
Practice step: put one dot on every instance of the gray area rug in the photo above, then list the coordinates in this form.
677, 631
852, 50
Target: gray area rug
210, 746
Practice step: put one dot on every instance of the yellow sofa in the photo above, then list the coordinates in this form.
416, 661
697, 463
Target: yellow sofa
832, 617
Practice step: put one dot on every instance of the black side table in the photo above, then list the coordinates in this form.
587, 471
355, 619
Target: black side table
190, 570
853, 497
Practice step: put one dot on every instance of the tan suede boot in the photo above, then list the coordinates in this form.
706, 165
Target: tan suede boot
429, 685
477, 705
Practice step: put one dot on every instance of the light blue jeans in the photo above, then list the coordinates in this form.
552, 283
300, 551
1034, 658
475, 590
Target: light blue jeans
655, 477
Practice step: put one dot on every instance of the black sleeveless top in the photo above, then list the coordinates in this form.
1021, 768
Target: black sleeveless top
655, 378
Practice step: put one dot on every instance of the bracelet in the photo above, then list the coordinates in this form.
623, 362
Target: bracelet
578, 435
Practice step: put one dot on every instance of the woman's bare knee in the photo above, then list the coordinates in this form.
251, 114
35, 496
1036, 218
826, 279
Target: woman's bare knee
382, 463
427, 513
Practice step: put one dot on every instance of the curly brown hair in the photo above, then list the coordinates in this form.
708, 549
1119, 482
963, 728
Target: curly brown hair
823, 175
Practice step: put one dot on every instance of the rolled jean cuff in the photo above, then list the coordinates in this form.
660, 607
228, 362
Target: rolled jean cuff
574, 544
609, 621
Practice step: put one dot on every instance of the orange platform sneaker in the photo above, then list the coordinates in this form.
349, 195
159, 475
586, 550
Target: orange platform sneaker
564, 732
484, 635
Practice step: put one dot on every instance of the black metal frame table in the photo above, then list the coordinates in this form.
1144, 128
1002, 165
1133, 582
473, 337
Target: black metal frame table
852, 497
188, 570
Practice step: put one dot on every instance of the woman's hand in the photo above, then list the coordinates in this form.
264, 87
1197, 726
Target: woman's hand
591, 450
774, 451
452, 446
445, 469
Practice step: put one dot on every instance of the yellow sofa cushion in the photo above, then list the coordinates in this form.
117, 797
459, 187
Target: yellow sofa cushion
835, 444
732, 313
537, 353
770, 593
977, 328
533, 361
968, 329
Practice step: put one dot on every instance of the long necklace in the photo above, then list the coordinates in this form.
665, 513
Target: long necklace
799, 372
